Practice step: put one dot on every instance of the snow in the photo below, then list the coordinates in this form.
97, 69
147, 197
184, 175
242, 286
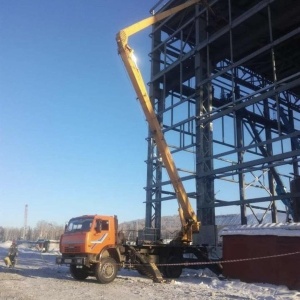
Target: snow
36, 276
278, 229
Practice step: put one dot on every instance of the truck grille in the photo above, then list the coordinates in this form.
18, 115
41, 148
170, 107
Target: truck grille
75, 249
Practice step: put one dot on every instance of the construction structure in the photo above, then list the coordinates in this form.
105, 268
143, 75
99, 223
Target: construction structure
225, 85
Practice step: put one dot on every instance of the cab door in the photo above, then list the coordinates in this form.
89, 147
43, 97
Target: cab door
101, 236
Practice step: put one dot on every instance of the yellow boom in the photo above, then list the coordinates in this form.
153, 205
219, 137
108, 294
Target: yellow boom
188, 218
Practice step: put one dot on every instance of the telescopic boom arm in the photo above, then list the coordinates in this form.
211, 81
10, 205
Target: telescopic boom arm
188, 218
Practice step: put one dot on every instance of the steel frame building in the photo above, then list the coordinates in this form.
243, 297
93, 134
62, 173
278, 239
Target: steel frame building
225, 84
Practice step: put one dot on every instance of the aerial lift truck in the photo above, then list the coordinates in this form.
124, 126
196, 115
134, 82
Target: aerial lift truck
92, 245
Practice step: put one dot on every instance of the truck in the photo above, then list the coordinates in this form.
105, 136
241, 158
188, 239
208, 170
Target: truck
92, 245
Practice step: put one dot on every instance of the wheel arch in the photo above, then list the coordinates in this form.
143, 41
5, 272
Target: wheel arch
110, 251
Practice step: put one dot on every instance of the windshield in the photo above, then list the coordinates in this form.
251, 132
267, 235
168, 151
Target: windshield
80, 224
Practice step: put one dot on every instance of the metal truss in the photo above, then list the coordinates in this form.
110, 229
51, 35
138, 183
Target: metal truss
225, 84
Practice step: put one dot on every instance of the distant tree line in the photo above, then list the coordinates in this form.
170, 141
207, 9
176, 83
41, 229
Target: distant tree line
51, 231
42, 230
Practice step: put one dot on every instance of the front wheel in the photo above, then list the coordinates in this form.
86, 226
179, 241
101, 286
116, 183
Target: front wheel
106, 271
78, 273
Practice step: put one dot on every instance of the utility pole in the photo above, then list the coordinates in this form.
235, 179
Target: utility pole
25, 221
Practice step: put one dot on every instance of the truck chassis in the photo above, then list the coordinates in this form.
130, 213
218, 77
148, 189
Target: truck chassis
159, 262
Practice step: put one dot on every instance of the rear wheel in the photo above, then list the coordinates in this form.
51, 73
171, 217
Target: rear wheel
78, 273
106, 271
173, 270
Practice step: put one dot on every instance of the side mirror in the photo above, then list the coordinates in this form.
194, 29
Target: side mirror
98, 225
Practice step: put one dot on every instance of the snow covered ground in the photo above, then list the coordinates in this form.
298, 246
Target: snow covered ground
37, 277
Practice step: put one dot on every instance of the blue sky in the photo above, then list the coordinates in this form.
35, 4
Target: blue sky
72, 134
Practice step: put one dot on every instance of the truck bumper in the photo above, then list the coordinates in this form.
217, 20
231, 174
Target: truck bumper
80, 261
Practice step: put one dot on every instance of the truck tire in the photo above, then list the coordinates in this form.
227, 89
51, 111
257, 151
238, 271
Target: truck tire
106, 271
78, 273
173, 271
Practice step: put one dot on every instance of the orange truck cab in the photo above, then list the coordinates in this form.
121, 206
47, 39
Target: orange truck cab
89, 246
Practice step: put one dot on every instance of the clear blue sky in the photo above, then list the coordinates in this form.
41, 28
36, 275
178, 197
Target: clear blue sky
72, 135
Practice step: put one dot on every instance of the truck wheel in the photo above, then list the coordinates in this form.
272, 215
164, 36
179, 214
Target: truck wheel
78, 273
106, 271
173, 271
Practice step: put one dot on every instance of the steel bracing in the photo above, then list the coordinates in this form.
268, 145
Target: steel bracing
225, 84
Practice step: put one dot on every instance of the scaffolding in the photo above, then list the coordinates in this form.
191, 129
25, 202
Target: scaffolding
225, 85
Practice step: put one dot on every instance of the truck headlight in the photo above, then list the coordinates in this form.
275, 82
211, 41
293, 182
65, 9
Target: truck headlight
58, 260
79, 261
